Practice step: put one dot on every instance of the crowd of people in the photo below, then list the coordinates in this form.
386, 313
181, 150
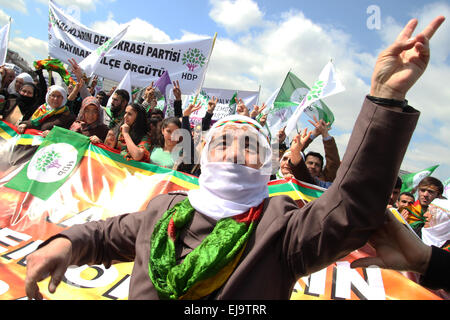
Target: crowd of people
233, 159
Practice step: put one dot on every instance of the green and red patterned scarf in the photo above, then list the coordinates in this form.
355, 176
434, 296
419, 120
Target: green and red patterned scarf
207, 267
416, 217
57, 66
44, 112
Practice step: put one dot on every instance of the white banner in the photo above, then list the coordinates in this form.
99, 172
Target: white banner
250, 98
4, 37
185, 61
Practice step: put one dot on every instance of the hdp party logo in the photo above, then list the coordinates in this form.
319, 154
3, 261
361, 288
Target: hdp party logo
193, 58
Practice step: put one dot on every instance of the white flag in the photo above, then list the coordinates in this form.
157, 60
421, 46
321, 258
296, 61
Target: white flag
327, 85
91, 62
4, 37
125, 84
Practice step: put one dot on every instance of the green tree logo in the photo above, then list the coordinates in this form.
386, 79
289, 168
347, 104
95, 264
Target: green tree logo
47, 161
315, 91
193, 58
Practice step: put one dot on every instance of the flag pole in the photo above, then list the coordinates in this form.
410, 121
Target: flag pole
259, 93
207, 64
49, 75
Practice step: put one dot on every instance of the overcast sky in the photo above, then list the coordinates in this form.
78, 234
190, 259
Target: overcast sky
258, 42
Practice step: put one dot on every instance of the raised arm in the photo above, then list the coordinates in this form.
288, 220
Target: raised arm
345, 216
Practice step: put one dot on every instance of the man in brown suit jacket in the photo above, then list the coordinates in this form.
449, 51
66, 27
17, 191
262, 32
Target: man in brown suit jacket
284, 242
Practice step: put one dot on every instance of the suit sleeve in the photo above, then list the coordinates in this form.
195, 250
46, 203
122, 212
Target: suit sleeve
344, 217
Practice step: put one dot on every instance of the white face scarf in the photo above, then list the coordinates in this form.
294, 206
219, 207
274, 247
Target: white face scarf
226, 188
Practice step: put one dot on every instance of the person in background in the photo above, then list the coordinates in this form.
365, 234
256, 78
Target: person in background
119, 103
162, 154
53, 113
395, 193
15, 85
74, 99
405, 199
102, 98
132, 141
314, 160
22, 107
90, 121
7, 76
428, 189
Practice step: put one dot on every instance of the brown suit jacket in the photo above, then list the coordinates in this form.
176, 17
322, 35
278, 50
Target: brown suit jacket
289, 242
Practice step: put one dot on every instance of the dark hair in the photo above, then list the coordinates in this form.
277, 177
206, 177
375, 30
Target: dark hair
317, 155
123, 94
432, 181
398, 183
140, 126
155, 111
103, 98
176, 121
35, 89
160, 138
155, 135
409, 194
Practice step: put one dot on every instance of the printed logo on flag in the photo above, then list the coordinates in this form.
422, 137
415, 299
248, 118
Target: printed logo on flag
298, 95
316, 90
421, 175
193, 58
52, 163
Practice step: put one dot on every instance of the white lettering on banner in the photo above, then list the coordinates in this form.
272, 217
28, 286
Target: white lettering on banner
103, 278
315, 284
120, 290
23, 251
348, 279
186, 61
345, 280
222, 109
10, 237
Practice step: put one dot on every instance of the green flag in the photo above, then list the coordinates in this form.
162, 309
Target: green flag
292, 93
52, 164
411, 180
233, 103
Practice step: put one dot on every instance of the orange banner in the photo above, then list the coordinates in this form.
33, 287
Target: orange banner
106, 185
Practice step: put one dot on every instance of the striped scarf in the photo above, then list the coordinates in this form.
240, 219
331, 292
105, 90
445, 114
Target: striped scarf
207, 267
57, 66
44, 112
416, 215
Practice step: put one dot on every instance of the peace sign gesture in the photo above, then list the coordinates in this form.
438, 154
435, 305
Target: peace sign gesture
401, 64
191, 108
257, 110
176, 90
149, 93
241, 108
320, 127
212, 104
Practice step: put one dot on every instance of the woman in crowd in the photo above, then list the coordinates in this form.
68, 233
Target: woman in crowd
161, 153
90, 121
15, 86
53, 112
21, 108
133, 140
